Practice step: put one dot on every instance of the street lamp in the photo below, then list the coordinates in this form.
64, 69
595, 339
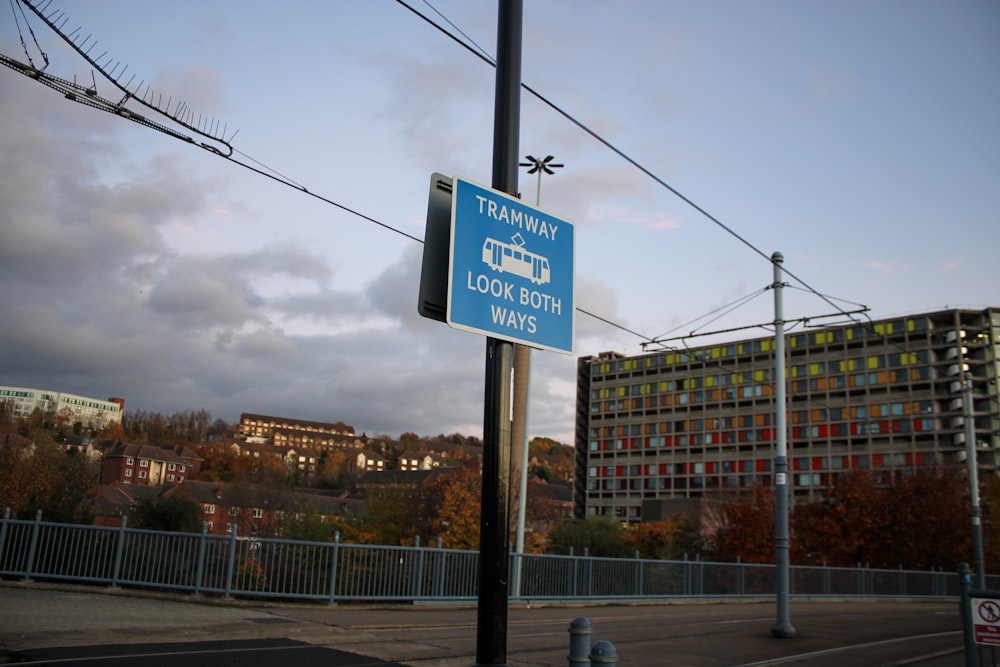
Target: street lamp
522, 378
542, 166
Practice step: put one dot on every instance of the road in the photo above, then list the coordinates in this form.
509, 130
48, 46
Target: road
84, 626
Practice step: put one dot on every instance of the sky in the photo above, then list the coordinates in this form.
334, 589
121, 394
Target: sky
858, 138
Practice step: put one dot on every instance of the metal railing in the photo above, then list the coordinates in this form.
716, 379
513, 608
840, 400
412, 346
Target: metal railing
235, 566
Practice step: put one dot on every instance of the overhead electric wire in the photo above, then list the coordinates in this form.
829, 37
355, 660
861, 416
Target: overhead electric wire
623, 155
274, 175
267, 171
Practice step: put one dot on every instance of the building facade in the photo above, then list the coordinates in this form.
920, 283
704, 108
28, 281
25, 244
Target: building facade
300, 433
91, 412
888, 396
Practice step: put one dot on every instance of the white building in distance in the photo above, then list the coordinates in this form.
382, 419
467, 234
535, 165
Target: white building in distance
93, 412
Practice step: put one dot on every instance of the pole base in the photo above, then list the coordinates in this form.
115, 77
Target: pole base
782, 631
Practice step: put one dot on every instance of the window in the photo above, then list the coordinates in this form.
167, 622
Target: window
171, 466
234, 511
209, 509
129, 460
142, 474
143, 463
258, 513
128, 472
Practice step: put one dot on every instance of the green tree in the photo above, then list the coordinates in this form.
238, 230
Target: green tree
176, 512
396, 514
665, 540
599, 536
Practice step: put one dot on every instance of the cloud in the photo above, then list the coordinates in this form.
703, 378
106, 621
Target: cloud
884, 268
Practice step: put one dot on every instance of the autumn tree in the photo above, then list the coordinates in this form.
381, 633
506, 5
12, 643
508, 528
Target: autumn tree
746, 529
41, 475
847, 526
454, 498
220, 464
990, 503
929, 522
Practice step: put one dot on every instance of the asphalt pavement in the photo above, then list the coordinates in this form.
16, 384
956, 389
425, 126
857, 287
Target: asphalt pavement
83, 626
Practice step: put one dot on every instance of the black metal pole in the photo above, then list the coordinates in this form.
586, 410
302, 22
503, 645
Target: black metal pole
494, 542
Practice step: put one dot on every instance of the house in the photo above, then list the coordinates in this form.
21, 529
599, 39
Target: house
302, 464
110, 502
368, 461
126, 463
397, 478
256, 510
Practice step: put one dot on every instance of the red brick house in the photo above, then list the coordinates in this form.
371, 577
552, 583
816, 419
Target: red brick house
126, 463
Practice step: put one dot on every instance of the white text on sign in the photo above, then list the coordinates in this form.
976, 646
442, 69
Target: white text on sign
508, 317
525, 221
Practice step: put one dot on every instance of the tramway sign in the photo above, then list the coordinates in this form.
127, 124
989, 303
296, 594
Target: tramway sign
510, 269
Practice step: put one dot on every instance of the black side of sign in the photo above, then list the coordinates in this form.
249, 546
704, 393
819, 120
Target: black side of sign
433, 299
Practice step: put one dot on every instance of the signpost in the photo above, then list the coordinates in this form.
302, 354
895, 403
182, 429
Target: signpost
510, 269
985, 620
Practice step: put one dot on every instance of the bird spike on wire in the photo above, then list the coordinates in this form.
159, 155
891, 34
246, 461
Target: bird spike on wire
114, 71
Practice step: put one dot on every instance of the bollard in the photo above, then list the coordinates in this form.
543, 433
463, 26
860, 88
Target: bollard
603, 653
579, 642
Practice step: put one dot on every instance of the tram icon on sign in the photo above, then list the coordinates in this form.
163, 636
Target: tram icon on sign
513, 258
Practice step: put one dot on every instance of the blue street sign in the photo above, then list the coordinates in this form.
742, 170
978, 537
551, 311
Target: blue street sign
511, 269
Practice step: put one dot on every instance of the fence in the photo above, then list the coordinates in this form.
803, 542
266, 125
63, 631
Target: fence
234, 566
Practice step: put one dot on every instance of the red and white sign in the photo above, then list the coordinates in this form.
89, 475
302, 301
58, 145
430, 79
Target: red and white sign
986, 620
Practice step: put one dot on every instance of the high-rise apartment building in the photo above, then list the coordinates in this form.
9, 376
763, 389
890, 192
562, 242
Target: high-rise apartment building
885, 395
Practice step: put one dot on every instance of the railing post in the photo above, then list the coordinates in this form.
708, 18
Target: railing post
418, 570
35, 529
119, 550
687, 576
438, 590
700, 569
603, 653
199, 572
638, 575
741, 588
572, 574
579, 642
231, 566
333, 567
3, 533
826, 579
590, 572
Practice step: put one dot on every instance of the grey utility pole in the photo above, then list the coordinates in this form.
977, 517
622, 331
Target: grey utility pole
782, 627
494, 540
522, 391
973, 462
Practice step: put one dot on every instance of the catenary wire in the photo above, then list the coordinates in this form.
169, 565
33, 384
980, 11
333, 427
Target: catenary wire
269, 172
607, 144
